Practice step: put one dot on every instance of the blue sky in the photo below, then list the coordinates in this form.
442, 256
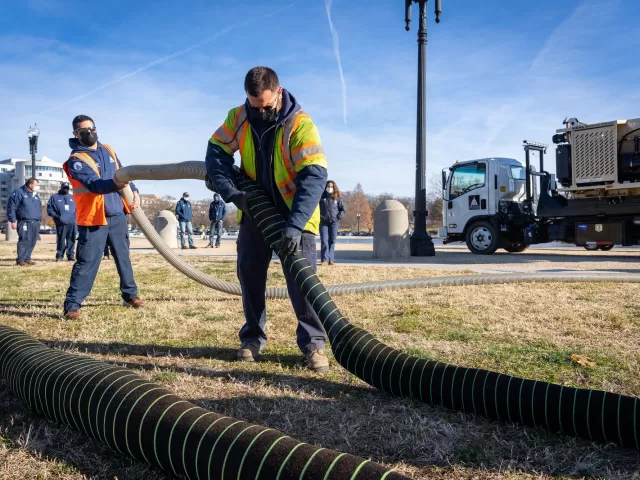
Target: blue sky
158, 77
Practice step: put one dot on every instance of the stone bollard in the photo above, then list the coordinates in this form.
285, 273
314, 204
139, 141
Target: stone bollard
391, 235
11, 235
166, 225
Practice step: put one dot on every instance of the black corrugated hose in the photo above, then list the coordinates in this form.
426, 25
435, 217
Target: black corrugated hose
147, 422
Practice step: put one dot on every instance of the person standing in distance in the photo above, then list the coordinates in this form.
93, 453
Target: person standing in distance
331, 212
217, 212
62, 209
101, 216
184, 212
280, 149
24, 210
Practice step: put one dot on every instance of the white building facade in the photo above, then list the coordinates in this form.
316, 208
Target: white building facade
14, 172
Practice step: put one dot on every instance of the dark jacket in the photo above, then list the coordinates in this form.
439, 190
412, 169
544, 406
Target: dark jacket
331, 211
62, 209
310, 181
217, 211
184, 212
24, 205
102, 184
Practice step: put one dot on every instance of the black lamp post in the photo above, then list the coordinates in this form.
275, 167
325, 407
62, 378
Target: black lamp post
421, 244
358, 217
33, 134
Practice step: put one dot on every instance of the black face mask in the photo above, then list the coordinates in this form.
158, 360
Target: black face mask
267, 116
64, 191
88, 139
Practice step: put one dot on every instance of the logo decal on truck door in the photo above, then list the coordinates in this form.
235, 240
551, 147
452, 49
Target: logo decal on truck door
474, 202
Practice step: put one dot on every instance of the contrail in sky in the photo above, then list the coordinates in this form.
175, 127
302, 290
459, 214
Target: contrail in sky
164, 59
336, 50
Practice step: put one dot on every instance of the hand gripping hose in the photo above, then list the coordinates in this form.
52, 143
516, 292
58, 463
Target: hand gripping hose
591, 414
145, 421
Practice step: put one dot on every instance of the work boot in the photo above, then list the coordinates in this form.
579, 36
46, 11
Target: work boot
192, 247
72, 315
59, 259
316, 360
22, 264
134, 302
30, 262
183, 248
249, 352
331, 262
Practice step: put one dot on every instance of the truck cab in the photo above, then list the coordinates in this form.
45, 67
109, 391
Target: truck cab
476, 193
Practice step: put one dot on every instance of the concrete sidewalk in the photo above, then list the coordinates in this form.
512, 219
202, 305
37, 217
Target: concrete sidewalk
448, 257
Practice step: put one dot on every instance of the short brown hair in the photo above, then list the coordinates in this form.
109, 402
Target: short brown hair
31, 181
260, 79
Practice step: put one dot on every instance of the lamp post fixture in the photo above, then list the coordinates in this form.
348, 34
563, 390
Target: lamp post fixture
421, 244
33, 134
358, 217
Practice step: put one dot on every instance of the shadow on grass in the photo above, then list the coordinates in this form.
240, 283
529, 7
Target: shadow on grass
117, 348
34, 314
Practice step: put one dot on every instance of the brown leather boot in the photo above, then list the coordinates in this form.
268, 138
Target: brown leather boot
72, 315
134, 302
317, 361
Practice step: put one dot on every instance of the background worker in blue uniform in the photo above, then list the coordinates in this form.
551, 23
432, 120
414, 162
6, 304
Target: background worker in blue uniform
184, 212
217, 212
293, 176
101, 216
62, 209
24, 210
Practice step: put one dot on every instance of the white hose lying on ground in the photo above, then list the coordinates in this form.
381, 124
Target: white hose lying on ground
195, 170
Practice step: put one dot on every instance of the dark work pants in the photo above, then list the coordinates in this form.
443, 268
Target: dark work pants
66, 240
28, 232
91, 244
254, 256
328, 235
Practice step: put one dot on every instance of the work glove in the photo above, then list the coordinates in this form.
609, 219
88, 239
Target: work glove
289, 242
241, 200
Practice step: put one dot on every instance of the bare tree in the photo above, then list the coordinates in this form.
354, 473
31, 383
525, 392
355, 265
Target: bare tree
356, 202
434, 201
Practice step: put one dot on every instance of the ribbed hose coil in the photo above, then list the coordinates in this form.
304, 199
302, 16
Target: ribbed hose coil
591, 414
147, 422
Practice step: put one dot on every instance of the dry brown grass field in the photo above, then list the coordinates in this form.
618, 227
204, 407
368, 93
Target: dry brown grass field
186, 336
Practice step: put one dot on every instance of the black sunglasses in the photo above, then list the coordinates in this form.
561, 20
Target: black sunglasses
87, 129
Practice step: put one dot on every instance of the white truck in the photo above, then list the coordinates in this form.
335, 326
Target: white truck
493, 203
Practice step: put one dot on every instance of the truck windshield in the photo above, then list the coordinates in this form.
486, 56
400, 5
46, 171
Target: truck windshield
517, 173
466, 178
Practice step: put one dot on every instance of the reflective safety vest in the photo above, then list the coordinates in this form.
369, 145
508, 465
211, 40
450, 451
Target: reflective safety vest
297, 145
90, 206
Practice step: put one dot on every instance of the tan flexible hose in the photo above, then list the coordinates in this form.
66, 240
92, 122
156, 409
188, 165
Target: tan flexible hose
195, 170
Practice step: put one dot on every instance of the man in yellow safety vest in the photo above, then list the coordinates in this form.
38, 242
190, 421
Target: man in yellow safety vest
280, 149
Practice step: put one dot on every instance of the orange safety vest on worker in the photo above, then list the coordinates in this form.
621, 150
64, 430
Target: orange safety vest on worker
90, 210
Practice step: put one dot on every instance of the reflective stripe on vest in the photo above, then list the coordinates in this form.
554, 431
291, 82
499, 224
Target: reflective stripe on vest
90, 206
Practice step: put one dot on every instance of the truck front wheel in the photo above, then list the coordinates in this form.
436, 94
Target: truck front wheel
482, 238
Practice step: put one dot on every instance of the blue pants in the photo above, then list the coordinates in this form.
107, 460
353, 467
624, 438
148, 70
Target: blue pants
186, 227
66, 240
91, 244
28, 233
215, 230
328, 235
254, 256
